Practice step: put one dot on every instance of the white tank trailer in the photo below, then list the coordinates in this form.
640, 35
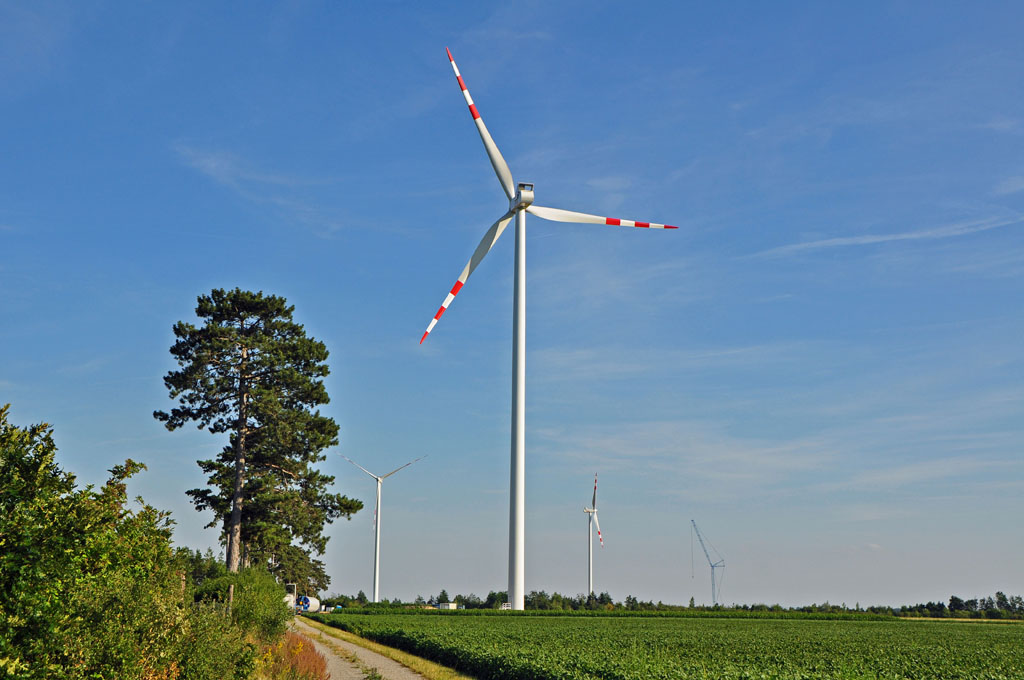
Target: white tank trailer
307, 604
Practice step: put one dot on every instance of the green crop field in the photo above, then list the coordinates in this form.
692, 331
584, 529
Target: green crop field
634, 648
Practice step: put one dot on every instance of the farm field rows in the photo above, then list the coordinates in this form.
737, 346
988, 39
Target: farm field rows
628, 648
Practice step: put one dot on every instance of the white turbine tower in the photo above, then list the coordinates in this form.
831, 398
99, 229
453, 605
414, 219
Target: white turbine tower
376, 532
591, 521
520, 202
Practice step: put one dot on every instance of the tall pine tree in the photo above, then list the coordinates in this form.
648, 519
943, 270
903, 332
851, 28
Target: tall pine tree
251, 372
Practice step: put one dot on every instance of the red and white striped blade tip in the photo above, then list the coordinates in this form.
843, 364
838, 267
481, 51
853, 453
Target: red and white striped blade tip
559, 215
443, 308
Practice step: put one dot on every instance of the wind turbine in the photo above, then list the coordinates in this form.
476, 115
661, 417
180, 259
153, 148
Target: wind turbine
376, 534
592, 520
520, 197
720, 564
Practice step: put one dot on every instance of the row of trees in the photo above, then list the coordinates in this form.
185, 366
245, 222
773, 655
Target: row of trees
250, 371
537, 600
999, 606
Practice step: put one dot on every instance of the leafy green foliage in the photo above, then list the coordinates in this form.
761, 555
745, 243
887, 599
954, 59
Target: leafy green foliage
85, 579
91, 588
251, 372
258, 600
630, 647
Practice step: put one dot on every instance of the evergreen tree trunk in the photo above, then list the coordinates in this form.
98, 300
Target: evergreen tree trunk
235, 523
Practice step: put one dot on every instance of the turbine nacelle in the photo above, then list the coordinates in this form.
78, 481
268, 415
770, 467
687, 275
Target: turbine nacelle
523, 198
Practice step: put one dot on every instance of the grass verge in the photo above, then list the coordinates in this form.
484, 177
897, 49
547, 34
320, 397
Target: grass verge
954, 619
428, 669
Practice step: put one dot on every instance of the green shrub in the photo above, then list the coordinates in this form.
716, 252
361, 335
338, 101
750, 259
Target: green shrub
258, 602
92, 589
214, 648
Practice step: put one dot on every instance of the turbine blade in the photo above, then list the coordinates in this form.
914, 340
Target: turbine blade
402, 468
485, 245
358, 465
593, 503
497, 160
557, 215
598, 525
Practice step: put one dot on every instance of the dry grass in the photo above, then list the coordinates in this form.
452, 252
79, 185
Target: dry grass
428, 669
293, 658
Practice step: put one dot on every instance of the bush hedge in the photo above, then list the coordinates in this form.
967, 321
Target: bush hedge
93, 589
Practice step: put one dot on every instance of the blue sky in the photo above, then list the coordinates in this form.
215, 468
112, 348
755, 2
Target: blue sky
822, 366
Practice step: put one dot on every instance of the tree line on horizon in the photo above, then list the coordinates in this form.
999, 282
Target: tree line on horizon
999, 606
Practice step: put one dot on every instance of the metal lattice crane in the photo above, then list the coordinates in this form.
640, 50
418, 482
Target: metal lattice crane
716, 583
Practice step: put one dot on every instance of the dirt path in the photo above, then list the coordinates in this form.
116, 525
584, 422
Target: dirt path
347, 661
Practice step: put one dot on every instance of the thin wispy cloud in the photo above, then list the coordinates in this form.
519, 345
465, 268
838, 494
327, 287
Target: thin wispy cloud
871, 513
32, 37
564, 364
1002, 124
925, 471
830, 115
260, 187
89, 366
227, 168
488, 36
695, 460
503, 26
947, 231
594, 280
1006, 263
613, 183
927, 474
1010, 185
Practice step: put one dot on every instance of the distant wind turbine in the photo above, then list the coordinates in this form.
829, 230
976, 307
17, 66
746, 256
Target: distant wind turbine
376, 536
720, 564
520, 197
591, 521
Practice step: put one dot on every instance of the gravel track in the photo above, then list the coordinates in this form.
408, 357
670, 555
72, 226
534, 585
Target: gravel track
347, 661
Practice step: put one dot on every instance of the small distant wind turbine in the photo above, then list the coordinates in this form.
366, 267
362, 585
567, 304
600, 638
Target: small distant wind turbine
376, 517
591, 521
716, 587
520, 197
